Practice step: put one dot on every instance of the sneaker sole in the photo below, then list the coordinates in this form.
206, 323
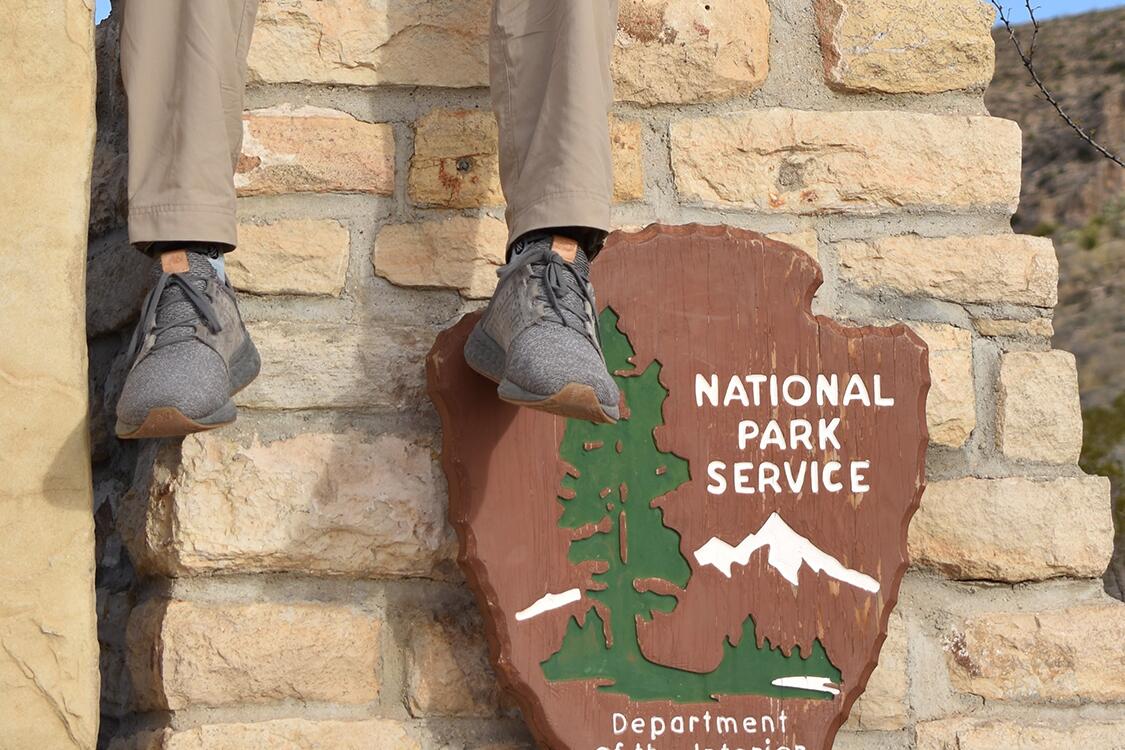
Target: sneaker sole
168, 421
574, 401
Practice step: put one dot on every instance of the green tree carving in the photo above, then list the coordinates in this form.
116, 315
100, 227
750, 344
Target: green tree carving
607, 502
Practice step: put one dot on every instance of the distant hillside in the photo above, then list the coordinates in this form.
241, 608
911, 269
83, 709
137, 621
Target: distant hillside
1082, 60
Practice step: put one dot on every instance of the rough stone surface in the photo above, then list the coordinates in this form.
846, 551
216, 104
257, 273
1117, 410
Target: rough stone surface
666, 50
805, 239
1068, 655
280, 734
448, 673
679, 51
290, 149
883, 706
325, 503
799, 162
1037, 327
951, 407
968, 734
346, 364
1001, 269
48, 643
117, 280
1039, 412
459, 253
456, 162
290, 256
1014, 529
372, 42
183, 654
911, 46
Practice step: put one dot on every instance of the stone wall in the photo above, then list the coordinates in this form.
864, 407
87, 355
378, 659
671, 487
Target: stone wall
48, 647
290, 582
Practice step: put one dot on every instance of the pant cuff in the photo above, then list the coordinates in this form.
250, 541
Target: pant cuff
213, 224
578, 208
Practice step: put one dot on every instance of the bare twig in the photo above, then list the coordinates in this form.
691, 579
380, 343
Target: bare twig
1028, 59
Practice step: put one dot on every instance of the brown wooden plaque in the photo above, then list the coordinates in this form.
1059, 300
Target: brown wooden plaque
716, 570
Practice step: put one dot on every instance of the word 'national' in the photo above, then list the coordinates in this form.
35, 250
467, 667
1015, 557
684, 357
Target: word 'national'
792, 390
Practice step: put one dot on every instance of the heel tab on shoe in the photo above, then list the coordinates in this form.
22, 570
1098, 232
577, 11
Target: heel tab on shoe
174, 261
565, 247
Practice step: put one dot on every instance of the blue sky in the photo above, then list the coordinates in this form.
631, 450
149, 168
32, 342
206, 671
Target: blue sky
1045, 8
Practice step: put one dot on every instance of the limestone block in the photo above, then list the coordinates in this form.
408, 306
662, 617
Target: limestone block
1036, 327
290, 256
969, 734
290, 149
48, 644
372, 42
988, 269
799, 162
906, 46
447, 668
456, 160
325, 503
805, 239
338, 364
1039, 412
951, 407
883, 706
680, 51
458, 252
184, 654
279, 734
1073, 655
1014, 529
666, 50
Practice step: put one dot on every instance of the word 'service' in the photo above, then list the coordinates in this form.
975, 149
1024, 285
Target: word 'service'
796, 476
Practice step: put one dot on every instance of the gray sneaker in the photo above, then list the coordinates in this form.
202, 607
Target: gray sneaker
192, 353
539, 336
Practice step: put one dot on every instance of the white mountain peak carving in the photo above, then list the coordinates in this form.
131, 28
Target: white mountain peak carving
788, 551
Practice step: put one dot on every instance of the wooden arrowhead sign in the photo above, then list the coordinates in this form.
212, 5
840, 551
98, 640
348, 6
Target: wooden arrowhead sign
717, 569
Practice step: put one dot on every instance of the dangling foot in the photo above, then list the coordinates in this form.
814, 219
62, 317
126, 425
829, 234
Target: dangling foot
539, 336
192, 353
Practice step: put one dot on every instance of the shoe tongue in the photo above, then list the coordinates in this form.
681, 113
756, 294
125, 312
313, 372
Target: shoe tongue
174, 305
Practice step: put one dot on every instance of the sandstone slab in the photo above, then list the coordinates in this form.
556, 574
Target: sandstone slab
447, 667
459, 253
1072, 655
184, 654
279, 734
951, 407
456, 162
804, 239
1014, 529
288, 149
911, 46
291, 256
970, 734
346, 364
48, 643
800, 162
1039, 412
325, 503
1000, 269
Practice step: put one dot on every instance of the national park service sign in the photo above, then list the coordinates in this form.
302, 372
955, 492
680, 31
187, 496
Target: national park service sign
717, 569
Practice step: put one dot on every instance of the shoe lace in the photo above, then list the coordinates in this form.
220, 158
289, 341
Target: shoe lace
563, 287
148, 322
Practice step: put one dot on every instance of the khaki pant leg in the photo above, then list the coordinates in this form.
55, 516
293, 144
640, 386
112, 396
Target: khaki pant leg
184, 67
552, 91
